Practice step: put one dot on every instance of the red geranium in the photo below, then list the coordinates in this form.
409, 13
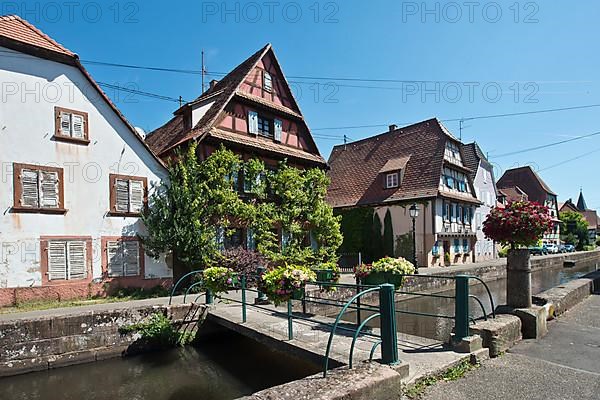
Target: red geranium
520, 223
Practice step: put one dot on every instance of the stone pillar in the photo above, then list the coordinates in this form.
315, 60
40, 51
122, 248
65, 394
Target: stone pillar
518, 279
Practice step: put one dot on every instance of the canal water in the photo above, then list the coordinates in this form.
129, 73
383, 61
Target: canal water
225, 368
439, 328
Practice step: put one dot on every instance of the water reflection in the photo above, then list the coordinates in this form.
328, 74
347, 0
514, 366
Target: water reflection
226, 368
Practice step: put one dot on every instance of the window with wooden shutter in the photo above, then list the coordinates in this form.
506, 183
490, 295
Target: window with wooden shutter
38, 189
253, 122
30, 195
127, 194
278, 129
67, 259
71, 125
123, 258
267, 81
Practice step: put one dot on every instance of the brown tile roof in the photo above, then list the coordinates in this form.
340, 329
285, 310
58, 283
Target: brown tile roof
513, 193
591, 217
355, 167
173, 133
264, 144
395, 164
510, 175
221, 93
16, 31
15, 28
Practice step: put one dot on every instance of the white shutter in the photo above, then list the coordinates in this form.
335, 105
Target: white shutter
121, 195
136, 196
49, 189
57, 260
115, 259
131, 258
278, 128
76, 259
65, 124
29, 188
77, 131
253, 122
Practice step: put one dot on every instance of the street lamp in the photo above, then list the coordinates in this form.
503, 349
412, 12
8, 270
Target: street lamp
414, 213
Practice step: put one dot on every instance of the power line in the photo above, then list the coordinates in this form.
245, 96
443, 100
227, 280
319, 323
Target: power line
569, 160
547, 145
139, 92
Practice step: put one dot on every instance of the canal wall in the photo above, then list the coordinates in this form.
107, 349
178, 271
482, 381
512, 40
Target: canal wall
443, 279
75, 336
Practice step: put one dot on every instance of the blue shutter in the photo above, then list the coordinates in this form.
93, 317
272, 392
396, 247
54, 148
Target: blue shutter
250, 241
253, 122
456, 246
278, 128
435, 251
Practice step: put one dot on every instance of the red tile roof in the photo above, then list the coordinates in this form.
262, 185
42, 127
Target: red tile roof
513, 193
355, 168
15, 28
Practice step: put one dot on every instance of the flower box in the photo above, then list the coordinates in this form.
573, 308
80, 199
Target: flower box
298, 294
379, 278
324, 275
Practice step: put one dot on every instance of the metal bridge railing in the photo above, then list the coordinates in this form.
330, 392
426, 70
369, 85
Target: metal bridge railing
385, 311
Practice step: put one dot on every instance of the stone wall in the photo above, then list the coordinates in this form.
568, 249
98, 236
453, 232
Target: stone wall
75, 337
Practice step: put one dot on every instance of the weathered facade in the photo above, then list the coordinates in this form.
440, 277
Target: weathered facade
482, 174
76, 177
422, 163
525, 184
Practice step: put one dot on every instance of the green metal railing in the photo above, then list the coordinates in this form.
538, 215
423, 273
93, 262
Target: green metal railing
385, 311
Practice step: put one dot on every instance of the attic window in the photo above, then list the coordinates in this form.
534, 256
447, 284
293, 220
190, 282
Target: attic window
391, 180
71, 126
267, 81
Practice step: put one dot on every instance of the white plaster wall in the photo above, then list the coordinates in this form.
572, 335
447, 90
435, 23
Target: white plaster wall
485, 249
30, 88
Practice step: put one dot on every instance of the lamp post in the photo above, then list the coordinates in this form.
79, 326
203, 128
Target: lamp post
414, 213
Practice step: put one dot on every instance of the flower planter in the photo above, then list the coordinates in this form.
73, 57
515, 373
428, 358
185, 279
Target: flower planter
379, 278
324, 275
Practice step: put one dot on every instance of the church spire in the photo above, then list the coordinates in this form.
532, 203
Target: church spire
581, 201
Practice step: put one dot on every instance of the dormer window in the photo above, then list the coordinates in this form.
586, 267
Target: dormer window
391, 180
267, 81
452, 153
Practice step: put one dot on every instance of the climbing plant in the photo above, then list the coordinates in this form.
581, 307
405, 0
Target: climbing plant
203, 202
378, 249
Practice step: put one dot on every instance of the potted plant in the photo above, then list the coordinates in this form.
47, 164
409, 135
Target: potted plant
286, 282
327, 272
519, 225
386, 270
219, 279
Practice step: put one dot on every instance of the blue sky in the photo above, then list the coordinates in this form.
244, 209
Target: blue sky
456, 60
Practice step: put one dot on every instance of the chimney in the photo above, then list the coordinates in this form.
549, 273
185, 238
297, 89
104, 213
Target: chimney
393, 127
213, 83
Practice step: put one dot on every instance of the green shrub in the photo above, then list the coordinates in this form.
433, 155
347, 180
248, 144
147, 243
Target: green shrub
503, 252
158, 330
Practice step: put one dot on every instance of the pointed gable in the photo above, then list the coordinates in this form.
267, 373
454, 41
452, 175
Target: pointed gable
581, 205
221, 113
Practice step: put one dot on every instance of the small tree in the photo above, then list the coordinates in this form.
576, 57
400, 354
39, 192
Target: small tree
574, 229
378, 251
388, 234
521, 223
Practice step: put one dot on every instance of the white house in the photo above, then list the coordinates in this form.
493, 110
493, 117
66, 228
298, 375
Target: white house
482, 175
75, 178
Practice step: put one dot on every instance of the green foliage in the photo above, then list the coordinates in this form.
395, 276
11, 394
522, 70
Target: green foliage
158, 330
404, 246
503, 252
134, 293
376, 238
574, 229
388, 234
357, 228
218, 279
451, 374
185, 213
447, 258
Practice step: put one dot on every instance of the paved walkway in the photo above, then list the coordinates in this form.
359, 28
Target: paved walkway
563, 365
